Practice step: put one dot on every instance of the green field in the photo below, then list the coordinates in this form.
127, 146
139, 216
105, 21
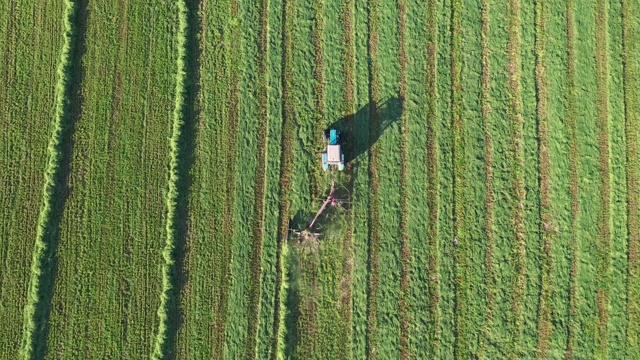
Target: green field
160, 161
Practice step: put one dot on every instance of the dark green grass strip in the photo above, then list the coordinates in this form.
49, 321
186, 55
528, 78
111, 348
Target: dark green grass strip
404, 236
518, 182
46, 231
544, 311
630, 29
433, 180
258, 222
604, 216
573, 171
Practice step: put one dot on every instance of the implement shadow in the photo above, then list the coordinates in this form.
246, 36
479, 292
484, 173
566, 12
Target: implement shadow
191, 113
72, 112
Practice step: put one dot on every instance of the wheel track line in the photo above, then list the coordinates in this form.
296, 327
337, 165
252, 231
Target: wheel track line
544, 312
404, 236
374, 241
260, 184
573, 170
433, 203
318, 87
604, 218
630, 70
286, 165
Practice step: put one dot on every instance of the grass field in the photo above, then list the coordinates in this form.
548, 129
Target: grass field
156, 157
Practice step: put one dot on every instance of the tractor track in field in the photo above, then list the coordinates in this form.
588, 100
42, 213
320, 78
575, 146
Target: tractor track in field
630, 76
433, 202
404, 236
286, 165
460, 239
260, 184
488, 165
346, 285
544, 312
604, 218
228, 224
573, 170
374, 232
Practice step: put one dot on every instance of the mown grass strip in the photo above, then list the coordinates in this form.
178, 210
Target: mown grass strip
604, 218
286, 166
459, 203
517, 144
630, 30
433, 180
404, 236
573, 173
168, 295
544, 311
488, 162
32, 326
374, 240
260, 184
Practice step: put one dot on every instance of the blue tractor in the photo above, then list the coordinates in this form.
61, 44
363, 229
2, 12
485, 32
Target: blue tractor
332, 154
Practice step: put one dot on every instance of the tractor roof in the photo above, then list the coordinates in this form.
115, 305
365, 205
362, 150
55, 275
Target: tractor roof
333, 154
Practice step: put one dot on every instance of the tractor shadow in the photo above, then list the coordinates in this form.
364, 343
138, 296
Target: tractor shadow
360, 131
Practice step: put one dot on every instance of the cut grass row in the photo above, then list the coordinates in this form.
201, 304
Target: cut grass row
515, 113
544, 311
630, 36
106, 294
169, 294
34, 114
374, 216
403, 302
433, 182
604, 166
573, 173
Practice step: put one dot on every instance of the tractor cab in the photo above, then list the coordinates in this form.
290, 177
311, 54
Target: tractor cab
333, 154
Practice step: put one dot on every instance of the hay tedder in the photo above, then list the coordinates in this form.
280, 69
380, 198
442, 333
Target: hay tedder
311, 233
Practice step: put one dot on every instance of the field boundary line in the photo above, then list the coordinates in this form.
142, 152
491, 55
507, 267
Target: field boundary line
630, 83
404, 236
604, 218
286, 164
374, 241
544, 311
573, 170
514, 112
67, 109
260, 184
433, 202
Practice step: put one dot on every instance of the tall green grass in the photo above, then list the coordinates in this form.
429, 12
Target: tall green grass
41, 256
